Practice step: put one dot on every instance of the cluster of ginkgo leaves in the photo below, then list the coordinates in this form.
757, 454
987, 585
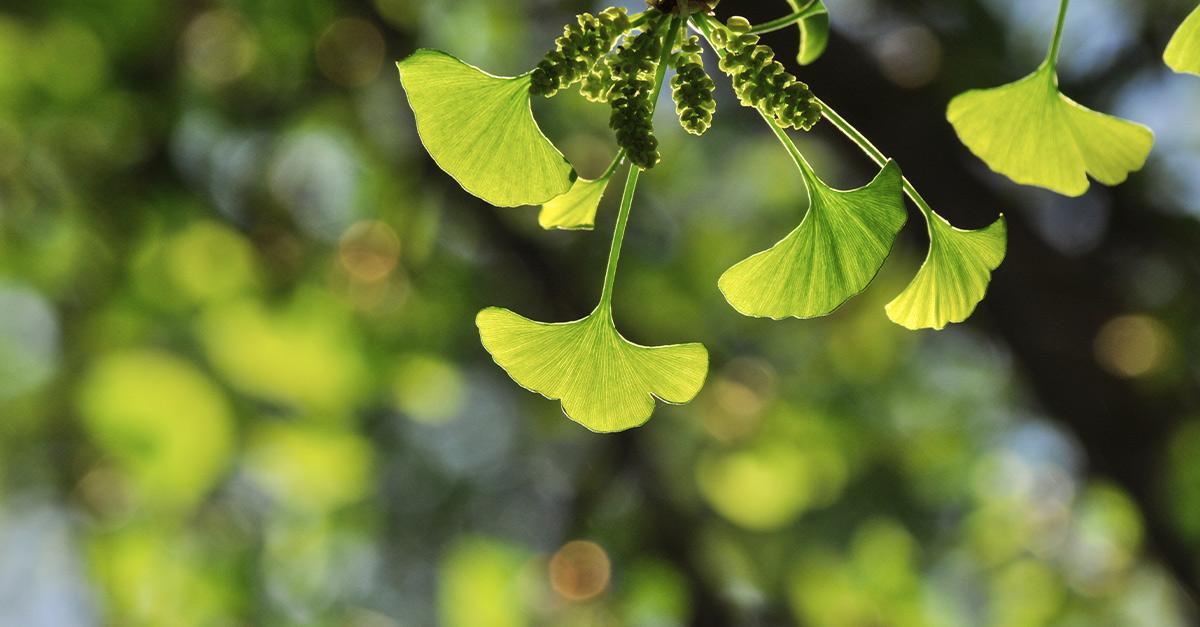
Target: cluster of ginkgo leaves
480, 129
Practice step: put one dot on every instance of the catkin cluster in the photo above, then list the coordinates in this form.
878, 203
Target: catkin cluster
633, 68
762, 82
693, 89
580, 49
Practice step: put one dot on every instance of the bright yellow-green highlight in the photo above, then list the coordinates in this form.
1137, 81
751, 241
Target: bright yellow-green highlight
1035, 135
479, 585
167, 426
310, 468
954, 278
1183, 53
832, 256
762, 488
480, 129
209, 261
605, 382
575, 210
158, 575
303, 354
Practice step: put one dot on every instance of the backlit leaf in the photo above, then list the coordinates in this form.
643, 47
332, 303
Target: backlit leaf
954, 277
1033, 134
814, 32
480, 129
1183, 53
605, 382
576, 209
833, 255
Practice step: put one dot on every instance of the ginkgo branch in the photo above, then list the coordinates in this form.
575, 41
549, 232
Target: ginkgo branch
810, 8
876, 155
614, 254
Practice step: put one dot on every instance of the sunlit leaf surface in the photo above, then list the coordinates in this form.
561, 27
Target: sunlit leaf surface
954, 277
605, 382
480, 129
1033, 134
1183, 53
576, 209
833, 255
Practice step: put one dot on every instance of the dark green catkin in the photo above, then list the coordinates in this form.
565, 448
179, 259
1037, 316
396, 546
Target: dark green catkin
693, 89
578, 51
633, 72
762, 82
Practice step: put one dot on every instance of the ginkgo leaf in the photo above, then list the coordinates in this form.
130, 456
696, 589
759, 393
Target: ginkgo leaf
576, 209
1183, 53
1034, 135
814, 31
954, 277
833, 255
480, 129
605, 382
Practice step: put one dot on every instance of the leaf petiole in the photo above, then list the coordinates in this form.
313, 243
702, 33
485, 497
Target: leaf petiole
876, 155
810, 8
1056, 44
614, 253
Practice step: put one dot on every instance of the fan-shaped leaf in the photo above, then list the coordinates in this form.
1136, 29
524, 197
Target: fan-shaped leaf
576, 209
814, 31
480, 129
605, 382
1031, 133
954, 277
833, 255
1183, 53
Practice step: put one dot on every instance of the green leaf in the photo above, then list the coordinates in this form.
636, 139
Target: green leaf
605, 382
833, 255
480, 129
814, 32
1033, 134
954, 278
1183, 53
576, 209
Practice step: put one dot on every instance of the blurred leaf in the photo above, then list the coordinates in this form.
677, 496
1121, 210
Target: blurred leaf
814, 31
605, 382
655, 593
157, 576
310, 468
1183, 52
304, 354
479, 585
480, 129
162, 420
428, 389
761, 488
954, 277
1034, 135
833, 255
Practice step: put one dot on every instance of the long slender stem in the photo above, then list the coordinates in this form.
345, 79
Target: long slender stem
705, 26
614, 252
810, 8
1056, 45
612, 167
876, 155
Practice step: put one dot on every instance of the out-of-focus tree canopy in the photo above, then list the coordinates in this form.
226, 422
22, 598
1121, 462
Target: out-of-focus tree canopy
241, 383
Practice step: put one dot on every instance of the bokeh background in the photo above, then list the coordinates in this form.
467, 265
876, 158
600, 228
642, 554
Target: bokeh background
240, 382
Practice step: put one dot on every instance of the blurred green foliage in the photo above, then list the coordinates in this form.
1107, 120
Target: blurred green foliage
240, 381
